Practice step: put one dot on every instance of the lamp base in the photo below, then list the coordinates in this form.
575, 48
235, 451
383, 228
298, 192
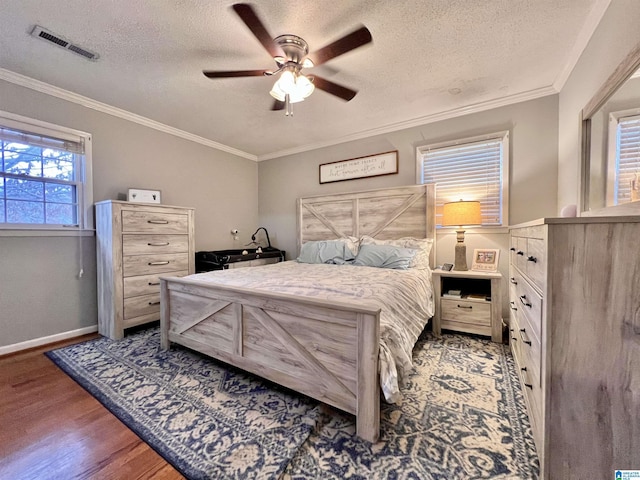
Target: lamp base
461, 257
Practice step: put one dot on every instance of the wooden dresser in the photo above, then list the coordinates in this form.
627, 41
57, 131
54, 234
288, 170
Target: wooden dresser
574, 292
136, 244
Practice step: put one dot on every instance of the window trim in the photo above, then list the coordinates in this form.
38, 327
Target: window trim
84, 185
504, 187
612, 152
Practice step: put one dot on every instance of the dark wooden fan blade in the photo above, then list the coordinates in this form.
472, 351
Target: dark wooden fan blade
251, 20
347, 43
277, 105
333, 88
233, 73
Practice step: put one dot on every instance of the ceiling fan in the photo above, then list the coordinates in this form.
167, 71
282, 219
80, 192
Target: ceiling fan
290, 54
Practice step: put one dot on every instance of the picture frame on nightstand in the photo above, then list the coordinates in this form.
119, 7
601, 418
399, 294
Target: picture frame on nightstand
485, 259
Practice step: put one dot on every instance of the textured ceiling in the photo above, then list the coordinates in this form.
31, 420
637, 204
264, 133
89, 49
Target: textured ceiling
428, 58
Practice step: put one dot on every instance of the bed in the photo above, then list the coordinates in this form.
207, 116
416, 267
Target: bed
324, 345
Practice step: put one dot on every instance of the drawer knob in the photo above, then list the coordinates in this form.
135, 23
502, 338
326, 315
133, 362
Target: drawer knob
159, 263
158, 222
522, 333
513, 280
512, 306
512, 249
153, 284
158, 244
531, 258
155, 303
523, 300
519, 252
465, 306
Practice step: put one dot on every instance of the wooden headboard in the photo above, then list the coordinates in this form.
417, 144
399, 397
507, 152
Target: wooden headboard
384, 214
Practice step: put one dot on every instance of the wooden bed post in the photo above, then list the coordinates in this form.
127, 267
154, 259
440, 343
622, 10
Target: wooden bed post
368, 407
165, 310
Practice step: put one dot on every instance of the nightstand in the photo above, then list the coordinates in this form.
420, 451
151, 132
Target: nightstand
477, 309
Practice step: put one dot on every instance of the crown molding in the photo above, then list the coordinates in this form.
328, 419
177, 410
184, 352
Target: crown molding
416, 122
63, 94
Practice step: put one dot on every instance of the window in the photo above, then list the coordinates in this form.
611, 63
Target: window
623, 184
44, 175
469, 169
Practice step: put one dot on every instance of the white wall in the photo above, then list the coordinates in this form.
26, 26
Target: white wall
40, 292
617, 34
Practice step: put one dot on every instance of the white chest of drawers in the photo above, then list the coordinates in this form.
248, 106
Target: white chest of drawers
574, 291
136, 244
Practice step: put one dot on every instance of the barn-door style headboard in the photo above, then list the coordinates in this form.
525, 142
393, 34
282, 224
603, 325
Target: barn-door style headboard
385, 214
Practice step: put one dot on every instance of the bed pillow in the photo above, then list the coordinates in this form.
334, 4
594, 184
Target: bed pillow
422, 245
385, 256
326, 251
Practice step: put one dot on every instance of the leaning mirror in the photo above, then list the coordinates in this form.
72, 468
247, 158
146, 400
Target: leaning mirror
611, 140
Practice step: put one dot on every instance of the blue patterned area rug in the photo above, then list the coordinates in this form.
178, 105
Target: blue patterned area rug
462, 417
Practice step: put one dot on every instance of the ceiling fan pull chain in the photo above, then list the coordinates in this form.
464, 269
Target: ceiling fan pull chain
288, 106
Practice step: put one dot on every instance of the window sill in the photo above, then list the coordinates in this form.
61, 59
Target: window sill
45, 232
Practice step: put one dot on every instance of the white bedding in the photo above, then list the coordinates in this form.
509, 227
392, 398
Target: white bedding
405, 298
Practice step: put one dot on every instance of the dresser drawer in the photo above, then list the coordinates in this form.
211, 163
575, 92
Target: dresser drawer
151, 222
142, 305
149, 264
146, 284
535, 261
529, 303
149, 244
466, 311
530, 353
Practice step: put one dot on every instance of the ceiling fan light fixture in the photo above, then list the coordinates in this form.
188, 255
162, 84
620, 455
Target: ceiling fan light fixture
297, 86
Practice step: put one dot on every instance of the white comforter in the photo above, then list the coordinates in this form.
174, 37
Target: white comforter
405, 298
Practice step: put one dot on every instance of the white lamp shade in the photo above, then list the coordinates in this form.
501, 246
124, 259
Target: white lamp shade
461, 213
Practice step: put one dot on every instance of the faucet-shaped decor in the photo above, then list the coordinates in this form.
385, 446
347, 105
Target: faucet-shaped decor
253, 237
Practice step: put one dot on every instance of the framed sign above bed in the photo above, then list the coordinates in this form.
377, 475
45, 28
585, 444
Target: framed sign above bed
370, 166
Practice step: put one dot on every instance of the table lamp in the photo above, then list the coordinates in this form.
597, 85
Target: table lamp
460, 214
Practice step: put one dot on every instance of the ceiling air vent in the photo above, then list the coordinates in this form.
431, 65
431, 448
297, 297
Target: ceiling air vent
51, 37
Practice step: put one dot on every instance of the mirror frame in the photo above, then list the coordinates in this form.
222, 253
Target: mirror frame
621, 74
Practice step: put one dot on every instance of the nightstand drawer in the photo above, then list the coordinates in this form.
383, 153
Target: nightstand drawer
154, 222
466, 311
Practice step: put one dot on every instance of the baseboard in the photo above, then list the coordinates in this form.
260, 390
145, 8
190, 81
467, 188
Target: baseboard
38, 342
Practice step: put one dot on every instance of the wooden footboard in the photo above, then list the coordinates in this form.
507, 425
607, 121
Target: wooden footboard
326, 350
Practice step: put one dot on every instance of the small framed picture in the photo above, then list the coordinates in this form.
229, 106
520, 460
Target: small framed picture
485, 259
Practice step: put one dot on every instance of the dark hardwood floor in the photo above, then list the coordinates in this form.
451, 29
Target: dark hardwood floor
51, 428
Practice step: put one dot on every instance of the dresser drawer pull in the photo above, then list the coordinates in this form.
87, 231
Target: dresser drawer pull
465, 306
532, 259
512, 330
159, 263
158, 222
522, 332
512, 249
524, 379
158, 244
523, 300
519, 252
155, 303
153, 284
513, 280
512, 306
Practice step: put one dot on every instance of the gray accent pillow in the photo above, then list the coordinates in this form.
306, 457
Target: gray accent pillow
385, 256
326, 251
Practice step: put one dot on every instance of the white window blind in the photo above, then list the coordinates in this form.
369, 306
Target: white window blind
627, 167
468, 169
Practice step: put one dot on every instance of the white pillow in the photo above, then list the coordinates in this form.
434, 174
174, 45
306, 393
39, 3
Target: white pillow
423, 245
